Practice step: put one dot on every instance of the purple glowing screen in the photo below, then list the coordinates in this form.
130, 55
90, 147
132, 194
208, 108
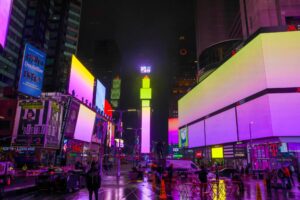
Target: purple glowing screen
196, 135
269, 61
81, 82
5, 7
85, 124
221, 128
173, 131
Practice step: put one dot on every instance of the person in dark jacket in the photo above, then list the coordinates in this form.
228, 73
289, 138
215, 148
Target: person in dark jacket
93, 181
202, 175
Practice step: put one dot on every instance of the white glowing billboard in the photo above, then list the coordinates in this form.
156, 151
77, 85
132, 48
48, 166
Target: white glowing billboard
85, 124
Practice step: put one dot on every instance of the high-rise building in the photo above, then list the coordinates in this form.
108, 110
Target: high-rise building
216, 21
50, 25
10, 53
256, 14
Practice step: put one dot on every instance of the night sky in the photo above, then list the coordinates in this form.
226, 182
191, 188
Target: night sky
146, 32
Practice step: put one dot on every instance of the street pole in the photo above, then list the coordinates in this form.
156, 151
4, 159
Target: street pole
250, 131
118, 147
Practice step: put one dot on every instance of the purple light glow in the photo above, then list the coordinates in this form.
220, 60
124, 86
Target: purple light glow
258, 112
5, 7
196, 135
221, 128
173, 131
85, 124
145, 136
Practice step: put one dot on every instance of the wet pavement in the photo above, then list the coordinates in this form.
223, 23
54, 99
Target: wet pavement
117, 189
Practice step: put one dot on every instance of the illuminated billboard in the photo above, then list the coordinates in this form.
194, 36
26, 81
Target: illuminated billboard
100, 95
81, 82
5, 8
145, 136
217, 152
32, 72
85, 124
196, 135
221, 128
173, 131
183, 137
38, 123
271, 59
145, 69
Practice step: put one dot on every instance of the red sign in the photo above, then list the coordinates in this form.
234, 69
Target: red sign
199, 154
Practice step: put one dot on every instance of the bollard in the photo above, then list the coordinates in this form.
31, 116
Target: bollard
258, 192
163, 194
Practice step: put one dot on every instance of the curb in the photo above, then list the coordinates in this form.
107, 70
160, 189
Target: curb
19, 191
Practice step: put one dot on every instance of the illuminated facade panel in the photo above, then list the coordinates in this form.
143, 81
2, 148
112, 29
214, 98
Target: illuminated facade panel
145, 136
145, 103
271, 59
146, 82
81, 81
173, 131
145, 93
217, 152
5, 7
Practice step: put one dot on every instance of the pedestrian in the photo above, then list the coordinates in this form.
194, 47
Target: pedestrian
170, 172
268, 178
93, 181
202, 175
281, 175
292, 170
287, 177
217, 173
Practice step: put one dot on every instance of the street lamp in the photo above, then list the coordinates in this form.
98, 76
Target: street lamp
120, 129
250, 132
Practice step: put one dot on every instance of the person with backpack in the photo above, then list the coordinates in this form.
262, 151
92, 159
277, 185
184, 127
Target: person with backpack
93, 181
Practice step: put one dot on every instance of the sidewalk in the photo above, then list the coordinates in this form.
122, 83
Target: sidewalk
20, 184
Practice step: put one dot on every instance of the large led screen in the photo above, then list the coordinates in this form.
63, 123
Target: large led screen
145, 136
5, 8
255, 116
183, 137
81, 83
196, 135
85, 124
221, 128
285, 112
269, 61
100, 95
32, 73
173, 131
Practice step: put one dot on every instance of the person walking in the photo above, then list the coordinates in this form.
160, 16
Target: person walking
202, 175
268, 178
93, 181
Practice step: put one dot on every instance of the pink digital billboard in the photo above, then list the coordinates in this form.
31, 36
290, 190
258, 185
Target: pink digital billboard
196, 135
173, 131
269, 61
221, 128
255, 116
85, 124
81, 82
145, 136
5, 8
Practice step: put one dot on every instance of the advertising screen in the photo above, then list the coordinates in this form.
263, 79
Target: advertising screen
183, 137
38, 123
108, 110
85, 124
264, 60
5, 8
221, 128
145, 135
81, 82
173, 131
100, 95
100, 130
32, 73
196, 135
217, 152
72, 119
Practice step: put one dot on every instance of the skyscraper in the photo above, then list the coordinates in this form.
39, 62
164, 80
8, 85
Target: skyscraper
50, 25
10, 53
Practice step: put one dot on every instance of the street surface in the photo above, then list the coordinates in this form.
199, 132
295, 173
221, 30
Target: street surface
113, 189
